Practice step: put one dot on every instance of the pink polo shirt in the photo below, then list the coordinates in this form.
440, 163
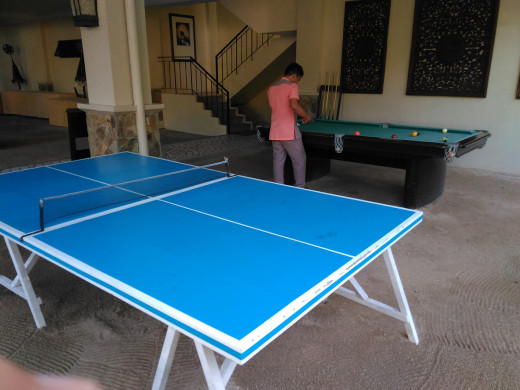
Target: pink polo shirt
283, 118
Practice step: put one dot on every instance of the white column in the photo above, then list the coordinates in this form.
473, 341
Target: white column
120, 116
143, 51
135, 70
105, 49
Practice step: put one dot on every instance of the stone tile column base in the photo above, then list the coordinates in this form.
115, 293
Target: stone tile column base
114, 129
152, 114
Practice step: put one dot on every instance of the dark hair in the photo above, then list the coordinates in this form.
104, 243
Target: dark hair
294, 68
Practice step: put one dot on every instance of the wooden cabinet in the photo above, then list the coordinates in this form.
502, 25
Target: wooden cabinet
51, 105
30, 103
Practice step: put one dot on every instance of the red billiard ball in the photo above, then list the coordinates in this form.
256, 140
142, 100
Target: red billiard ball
356, 132
394, 136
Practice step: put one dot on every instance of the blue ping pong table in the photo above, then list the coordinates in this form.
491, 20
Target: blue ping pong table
229, 261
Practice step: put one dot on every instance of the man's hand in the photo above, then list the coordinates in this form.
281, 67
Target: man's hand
307, 120
298, 109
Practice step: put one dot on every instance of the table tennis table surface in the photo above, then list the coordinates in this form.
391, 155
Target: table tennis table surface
232, 262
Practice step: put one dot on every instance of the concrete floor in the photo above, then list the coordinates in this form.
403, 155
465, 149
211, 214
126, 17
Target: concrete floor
460, 269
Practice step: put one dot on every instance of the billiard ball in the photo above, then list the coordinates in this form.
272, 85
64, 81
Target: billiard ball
415, 134
356, 132
394, 136
445, 139
444, 130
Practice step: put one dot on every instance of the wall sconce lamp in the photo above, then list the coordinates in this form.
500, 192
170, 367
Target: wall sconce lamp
84, 13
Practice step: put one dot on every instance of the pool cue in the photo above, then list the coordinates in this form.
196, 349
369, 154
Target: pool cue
330, 107
335, 95
326, 95
322, 101
330, 94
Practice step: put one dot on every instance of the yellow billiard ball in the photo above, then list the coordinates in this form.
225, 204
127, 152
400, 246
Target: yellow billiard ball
444, 130
415, 134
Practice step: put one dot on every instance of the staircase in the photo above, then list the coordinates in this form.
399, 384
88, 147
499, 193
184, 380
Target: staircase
185, 76
235, 69
237, 122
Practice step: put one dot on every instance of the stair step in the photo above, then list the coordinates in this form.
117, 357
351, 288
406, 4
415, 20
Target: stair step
237, 122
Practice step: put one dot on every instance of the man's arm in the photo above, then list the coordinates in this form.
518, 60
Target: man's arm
299, 110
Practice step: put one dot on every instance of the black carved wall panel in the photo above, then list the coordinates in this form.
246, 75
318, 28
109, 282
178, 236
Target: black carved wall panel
452, 45
365, 33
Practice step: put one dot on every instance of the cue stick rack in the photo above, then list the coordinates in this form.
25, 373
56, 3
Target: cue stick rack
329, 98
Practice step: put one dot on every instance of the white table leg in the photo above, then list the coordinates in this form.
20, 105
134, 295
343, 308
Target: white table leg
401, 296
402, 314
216, 377
22, 280
165, 361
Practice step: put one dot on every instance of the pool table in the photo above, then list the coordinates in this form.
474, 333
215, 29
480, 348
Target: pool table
423, 156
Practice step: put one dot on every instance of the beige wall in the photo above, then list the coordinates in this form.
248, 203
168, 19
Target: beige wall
62, 71
185, 113
228, 26
158, 31
35, 44
215, 26
266, 15
153, 33
29, 56
499, 112
309, 43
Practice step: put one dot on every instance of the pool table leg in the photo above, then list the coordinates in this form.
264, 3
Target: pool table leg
424, 181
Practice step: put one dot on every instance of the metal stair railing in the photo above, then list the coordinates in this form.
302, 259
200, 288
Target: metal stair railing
240, 49
184, 75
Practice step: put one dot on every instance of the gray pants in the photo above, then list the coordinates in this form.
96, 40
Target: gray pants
298, 158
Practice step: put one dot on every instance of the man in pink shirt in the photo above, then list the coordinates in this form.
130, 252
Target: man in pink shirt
285, 136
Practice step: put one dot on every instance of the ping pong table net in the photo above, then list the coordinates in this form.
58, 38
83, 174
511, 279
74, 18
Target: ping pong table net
64, 208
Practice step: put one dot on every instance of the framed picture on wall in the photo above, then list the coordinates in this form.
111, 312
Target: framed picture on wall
182, 36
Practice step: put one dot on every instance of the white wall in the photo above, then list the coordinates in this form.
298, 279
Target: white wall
499, 112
